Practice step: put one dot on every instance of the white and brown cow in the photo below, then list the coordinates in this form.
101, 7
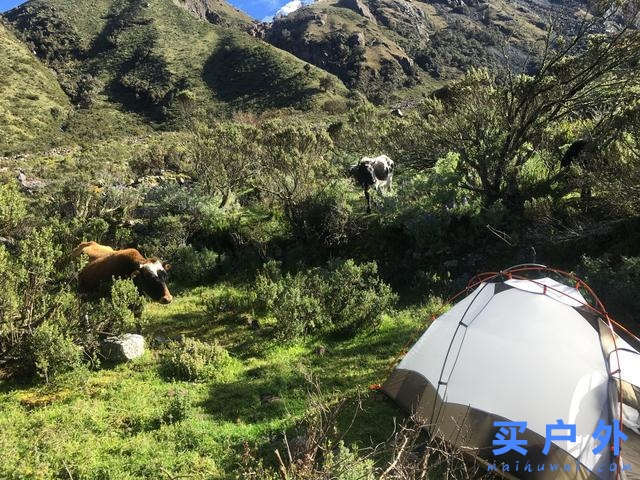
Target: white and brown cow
376, 172
148, 274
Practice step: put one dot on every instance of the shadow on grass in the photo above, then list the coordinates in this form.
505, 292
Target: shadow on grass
262, 395
280, 388
18, 383
364, 419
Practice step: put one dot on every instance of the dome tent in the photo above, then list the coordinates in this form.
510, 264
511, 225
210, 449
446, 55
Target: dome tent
517, 349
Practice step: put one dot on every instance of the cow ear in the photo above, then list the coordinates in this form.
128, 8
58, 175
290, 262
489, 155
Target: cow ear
167, 267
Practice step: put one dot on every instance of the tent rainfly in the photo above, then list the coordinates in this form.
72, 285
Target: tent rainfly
518, 349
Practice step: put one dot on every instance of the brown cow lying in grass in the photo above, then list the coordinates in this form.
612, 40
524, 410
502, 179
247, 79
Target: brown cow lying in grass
148, 274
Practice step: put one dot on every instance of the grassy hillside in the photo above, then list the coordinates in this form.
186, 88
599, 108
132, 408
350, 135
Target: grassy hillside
153, 57
31, 100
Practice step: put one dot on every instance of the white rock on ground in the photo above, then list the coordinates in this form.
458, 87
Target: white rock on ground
123, 347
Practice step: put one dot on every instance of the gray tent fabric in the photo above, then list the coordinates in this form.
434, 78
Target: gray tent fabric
529, 351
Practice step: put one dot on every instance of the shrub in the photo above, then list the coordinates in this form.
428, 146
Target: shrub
228, 301
268, 286
169, 231
156, 158
616, 282
343, 298
355, 297
168, 200
37, 259
179, 405
327, 83
297, 310
13, 208
295, 163
344, 463
335, 106
193, 266
191, 359
121, 312
53, 353
539, 210
224, 158
325, 218
10, 300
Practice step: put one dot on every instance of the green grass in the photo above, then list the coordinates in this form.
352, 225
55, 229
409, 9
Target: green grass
108, 424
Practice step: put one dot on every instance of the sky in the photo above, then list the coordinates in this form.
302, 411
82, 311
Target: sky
258, 9
8, 4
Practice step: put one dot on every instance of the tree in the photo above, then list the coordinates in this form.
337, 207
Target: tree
618, 177
225, 157
497, 125
294, 161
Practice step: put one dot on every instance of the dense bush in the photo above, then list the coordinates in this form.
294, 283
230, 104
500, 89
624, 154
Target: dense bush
325, 219
13, 208
52, 352
191, 359
335, 106
44, 327
616, 281
294, 165
343, 298
10, 300
223, 158
26, 299
354, 296
298, 309
228, 301
191, 266
121, 311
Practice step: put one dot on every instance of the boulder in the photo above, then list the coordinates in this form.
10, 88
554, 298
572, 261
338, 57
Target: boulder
29, 184
123, 348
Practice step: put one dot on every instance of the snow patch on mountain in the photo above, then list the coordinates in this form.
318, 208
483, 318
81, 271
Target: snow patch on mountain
290, 7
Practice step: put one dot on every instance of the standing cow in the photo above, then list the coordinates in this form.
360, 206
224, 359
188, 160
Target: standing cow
376, 172
148, 274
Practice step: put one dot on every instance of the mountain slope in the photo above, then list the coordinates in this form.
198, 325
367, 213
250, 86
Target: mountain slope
155, 57
31, 100
344, 42
378, 46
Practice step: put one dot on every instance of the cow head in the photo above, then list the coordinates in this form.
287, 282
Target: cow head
151, 278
